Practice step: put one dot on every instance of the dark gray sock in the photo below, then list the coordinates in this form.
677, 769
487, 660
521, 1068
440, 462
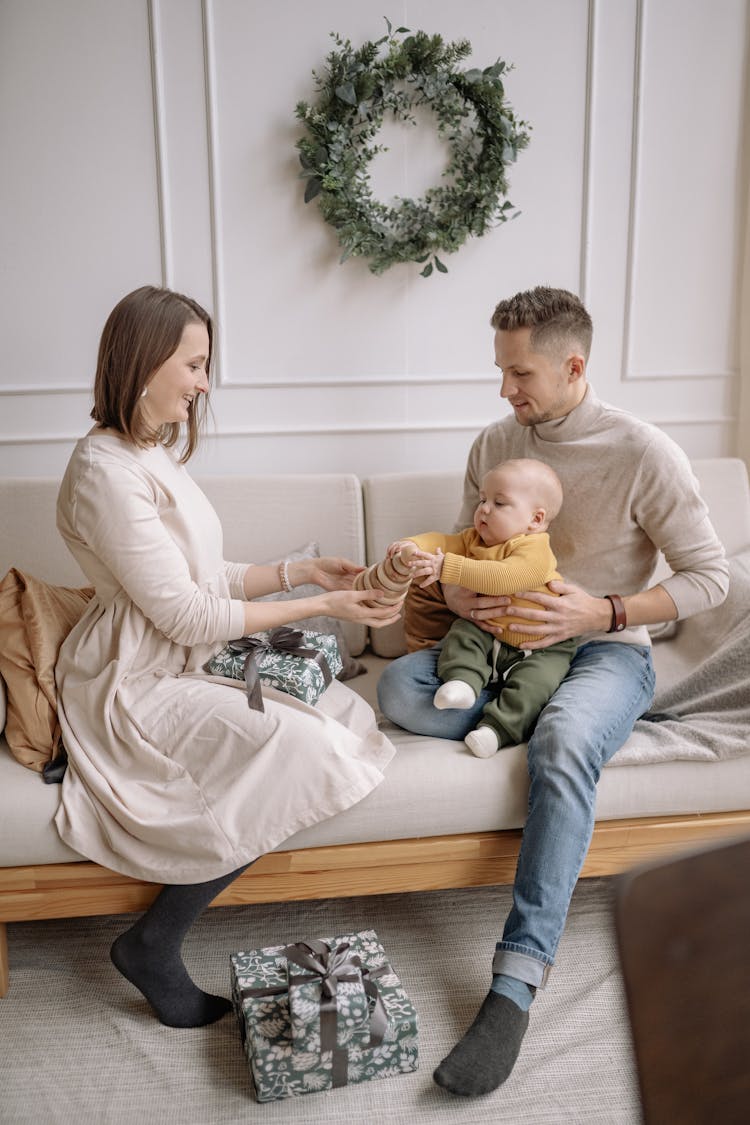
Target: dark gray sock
149, 955
484, 1058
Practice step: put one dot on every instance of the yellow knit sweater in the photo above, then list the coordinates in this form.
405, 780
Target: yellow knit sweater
525, 562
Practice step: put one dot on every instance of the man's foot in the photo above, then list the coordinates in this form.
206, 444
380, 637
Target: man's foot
456, 694
483, 742
484, 1058
165, 983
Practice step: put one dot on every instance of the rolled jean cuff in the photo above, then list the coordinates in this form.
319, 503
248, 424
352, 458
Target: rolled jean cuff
522, 966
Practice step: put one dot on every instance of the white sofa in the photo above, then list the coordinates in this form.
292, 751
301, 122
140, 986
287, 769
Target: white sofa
441, 818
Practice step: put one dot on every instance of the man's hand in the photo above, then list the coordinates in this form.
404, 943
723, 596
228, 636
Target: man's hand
559, 618
479, 608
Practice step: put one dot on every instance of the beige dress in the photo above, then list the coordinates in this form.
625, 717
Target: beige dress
172, 777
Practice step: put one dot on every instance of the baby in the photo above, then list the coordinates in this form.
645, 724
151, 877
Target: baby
506, 550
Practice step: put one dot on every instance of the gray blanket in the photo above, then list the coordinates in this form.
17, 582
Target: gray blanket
701, 711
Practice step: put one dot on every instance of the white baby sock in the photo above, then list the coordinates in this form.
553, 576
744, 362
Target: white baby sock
456, 694
483, 742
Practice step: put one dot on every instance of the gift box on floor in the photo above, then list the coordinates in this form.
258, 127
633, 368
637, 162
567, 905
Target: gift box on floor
304, 1021
300, 662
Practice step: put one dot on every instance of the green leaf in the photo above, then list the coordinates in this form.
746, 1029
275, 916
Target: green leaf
388, 24
424, 258
402, 30
439, 265
426, 271
346, 93
312, 189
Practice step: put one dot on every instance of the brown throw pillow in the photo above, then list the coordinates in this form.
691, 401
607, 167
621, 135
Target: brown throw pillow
35, 619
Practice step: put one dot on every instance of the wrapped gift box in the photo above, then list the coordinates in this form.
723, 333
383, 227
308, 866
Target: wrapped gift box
289, 1057
272, 654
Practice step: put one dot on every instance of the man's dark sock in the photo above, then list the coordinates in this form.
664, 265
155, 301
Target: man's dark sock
149, 954
484, 1058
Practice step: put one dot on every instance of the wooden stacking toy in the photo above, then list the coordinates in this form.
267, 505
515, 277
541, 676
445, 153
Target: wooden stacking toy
390, 578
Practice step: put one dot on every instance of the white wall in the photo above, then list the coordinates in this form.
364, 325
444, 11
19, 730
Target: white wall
154, 142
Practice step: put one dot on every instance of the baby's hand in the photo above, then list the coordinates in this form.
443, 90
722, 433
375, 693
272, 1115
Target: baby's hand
397, 546
427, 566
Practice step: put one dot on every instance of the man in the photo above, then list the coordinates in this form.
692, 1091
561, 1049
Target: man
628, 492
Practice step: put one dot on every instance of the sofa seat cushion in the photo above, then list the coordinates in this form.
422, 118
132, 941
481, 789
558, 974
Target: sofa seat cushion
432, 787
27, 828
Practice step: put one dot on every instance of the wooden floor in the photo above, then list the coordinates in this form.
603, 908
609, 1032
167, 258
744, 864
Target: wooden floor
70, 890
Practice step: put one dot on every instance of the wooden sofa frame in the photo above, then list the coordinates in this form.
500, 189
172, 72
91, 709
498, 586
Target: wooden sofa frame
476, 859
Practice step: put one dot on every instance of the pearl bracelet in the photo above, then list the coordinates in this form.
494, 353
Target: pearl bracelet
286, 585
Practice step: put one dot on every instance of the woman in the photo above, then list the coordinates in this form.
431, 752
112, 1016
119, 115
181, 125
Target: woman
172, 778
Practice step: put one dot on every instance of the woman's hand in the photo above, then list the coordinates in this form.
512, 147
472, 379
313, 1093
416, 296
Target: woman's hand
349, 605
329, 573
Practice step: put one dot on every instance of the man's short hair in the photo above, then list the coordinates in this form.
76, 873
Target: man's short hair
556, 318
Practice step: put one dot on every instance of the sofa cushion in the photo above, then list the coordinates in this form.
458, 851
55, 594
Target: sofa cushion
350, 665
260, 515
431, 787
402, 504
35, 618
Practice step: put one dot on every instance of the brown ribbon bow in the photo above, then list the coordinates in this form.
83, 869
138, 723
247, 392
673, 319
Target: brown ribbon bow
282, 639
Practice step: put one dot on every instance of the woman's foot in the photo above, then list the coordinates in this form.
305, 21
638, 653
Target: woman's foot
165, 983
485, 1057
456, 694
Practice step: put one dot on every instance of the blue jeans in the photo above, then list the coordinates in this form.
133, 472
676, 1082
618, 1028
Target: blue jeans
589, 717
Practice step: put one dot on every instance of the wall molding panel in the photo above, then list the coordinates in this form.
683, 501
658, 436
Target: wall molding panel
182, 171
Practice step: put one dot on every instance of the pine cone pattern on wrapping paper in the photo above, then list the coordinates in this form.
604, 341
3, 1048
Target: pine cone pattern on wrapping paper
390, 578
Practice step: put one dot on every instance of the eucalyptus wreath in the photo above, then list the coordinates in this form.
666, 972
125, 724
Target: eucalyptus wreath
396, 74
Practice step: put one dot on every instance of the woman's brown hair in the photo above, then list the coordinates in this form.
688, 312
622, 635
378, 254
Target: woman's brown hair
143, 330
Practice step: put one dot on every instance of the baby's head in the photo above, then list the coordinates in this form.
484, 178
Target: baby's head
519, 497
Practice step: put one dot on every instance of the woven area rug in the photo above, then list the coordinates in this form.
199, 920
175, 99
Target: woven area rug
79, 1046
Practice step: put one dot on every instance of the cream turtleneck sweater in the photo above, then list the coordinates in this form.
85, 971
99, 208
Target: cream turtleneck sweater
629, 492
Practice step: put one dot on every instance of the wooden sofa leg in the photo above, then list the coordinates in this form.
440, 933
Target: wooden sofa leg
4, 967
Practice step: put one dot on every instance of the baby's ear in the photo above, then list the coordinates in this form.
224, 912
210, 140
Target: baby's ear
538, 520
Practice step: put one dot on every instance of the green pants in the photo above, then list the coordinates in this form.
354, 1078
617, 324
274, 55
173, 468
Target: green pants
525, 683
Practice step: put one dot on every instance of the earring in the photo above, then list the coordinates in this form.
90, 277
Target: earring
144, 392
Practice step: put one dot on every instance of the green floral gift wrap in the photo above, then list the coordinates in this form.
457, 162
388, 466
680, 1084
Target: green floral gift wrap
303, 1020
300, 662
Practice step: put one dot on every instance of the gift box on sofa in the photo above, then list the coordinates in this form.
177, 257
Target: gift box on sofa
322, 1013
298, 661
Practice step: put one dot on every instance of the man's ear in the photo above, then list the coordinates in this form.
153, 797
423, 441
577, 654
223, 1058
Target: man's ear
576, 367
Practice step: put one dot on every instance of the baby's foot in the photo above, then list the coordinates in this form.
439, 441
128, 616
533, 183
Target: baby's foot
483, 742
456, 694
